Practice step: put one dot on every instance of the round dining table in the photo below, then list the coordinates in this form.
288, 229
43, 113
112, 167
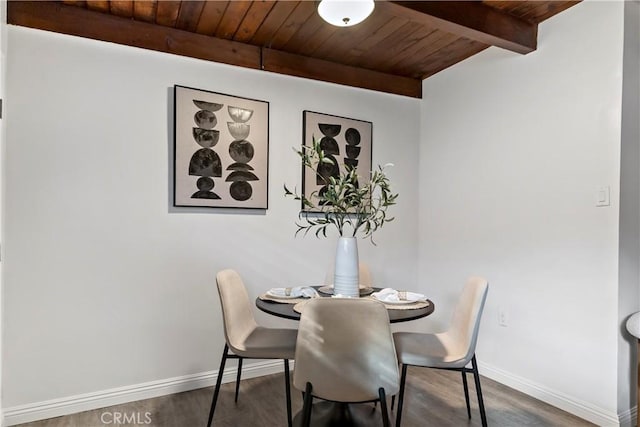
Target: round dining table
396, 314
329, 414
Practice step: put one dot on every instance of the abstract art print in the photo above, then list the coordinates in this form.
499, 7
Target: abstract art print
345, 142
221, 150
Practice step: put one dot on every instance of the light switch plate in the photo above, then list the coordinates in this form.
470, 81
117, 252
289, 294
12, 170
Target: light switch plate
603, 195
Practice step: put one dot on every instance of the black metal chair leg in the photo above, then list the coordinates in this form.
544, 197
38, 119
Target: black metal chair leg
466, 391
287, 392
393, 398
218, 383
476, 377
403, 379
307, 406
383, 407
239, 375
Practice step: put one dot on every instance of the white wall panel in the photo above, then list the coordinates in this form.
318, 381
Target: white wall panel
106, 284
513, 150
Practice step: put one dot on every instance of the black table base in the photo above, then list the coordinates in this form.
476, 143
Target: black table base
334, 414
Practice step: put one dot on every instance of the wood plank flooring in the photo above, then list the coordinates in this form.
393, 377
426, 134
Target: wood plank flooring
432, 398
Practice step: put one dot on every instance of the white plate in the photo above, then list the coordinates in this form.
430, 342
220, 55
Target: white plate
279, 296
401, 302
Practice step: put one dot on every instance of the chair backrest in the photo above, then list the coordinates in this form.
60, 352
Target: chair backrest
236, 309
364, 275
345, 350
466, 317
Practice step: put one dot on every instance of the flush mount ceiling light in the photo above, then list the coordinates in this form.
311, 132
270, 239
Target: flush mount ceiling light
345, 13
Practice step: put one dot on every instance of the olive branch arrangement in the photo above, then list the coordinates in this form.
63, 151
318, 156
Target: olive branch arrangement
344, 204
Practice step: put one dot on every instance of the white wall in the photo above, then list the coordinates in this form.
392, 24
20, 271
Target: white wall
629, 286
3, 60
107, 285
513, 149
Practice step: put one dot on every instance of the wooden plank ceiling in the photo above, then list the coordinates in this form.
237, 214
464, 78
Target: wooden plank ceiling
399, 45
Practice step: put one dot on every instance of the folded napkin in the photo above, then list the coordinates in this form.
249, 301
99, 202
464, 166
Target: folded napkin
391, 295
298, 291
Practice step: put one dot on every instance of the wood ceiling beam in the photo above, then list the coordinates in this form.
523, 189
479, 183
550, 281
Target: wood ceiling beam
317, 69
60, 18
469, 19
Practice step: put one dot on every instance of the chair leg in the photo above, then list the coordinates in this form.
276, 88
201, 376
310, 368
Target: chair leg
383, 407
307, 406
403, 379
476, 377
287, 388
218, 382
238, 378
466, 391
393, 398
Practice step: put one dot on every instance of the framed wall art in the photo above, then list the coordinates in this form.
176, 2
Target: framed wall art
346, 142
221, 150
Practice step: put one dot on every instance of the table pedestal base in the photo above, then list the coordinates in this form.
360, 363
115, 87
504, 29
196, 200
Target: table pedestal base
334, 414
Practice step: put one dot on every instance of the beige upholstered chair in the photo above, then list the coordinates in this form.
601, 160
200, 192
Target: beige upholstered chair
345, 353
364, 274
245, 338
453, 349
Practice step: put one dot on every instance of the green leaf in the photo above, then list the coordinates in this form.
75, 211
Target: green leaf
349, 202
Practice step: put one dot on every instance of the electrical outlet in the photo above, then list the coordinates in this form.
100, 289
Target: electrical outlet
503, 318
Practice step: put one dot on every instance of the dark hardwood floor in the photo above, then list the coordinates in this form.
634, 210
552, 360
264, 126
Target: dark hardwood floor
432, 398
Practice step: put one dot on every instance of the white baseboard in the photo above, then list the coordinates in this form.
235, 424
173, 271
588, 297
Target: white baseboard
115, 396
558, 399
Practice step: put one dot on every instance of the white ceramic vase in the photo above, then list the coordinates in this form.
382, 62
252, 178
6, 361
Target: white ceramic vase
345, 279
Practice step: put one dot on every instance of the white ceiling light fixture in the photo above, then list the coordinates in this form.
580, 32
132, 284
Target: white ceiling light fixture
345, 13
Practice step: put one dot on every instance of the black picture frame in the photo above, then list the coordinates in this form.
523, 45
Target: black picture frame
346, 140
221, 150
